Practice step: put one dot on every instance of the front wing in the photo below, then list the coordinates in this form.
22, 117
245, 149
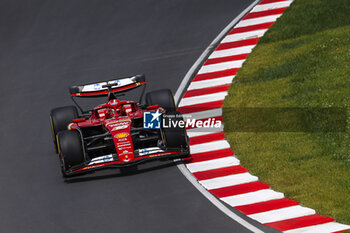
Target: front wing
141, 156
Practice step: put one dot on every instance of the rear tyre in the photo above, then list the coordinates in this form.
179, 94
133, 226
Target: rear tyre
70, 149
60, 118
164, 98
175, 136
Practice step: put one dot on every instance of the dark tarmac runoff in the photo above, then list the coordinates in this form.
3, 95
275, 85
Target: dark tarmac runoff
47, 46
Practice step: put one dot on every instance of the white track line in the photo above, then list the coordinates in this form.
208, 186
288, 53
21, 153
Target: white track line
210, 83
232, 52
244, 36
270, 6
252, 197
203, 99
230, 180
221, 66
212, 164
209, 146
282, 214
259, 20
321, 228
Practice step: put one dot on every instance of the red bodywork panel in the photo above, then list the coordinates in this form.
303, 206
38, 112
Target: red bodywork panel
117, 116
120, 131
113, 111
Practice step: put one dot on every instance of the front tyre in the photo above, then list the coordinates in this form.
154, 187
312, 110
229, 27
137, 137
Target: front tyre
70, 149
60, 118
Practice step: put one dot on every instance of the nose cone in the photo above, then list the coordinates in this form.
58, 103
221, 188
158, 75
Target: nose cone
120, 131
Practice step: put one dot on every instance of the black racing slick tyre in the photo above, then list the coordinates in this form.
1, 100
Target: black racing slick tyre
70, 149
60, 118
175, 136
164, 98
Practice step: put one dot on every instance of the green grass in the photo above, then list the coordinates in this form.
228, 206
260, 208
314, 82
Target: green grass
303, 61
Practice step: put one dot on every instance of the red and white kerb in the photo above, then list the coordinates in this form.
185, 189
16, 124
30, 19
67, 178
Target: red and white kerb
213, 162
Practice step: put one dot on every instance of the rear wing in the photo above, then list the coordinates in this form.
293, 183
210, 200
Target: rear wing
101, 88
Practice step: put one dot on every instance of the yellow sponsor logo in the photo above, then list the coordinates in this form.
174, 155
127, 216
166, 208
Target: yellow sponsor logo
121, 135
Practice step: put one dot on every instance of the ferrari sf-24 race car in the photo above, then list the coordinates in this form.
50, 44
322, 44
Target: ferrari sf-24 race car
114, 134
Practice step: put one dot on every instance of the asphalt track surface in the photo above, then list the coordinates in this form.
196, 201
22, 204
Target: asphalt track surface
46, 46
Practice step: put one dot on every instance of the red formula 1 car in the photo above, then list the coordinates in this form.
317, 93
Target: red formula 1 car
116, 134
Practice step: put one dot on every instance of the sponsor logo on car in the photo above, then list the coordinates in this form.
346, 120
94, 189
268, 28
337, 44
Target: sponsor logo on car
127, 143
126, 152
120, 127
143, 152
122, 140
101, 159
97, 86
148, 151
121, 135
107, 158
118, 123
123, 147
116, 83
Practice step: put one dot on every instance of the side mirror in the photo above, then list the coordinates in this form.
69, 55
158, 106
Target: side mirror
152, 107
79, 120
